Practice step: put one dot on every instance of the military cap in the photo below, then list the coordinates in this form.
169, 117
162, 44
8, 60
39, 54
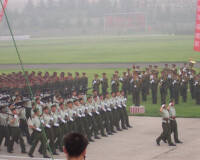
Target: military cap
60, 104
137, 67
133, 66
75, 100
13, 109
80, 99
96, 75
128, 69
166, 64
150, 66
104, 73
83, 73
116, 71
173, 65
94, 96
69, 102
35, 110
77, 73
53, 105
124, 72
69, 74
89, 97
44, 108
155, 66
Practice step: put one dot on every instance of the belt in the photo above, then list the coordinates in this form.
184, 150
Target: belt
173, 118
166, 119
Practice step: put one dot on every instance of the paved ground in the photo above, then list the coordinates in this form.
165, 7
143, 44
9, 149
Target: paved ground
90, 65
137, 143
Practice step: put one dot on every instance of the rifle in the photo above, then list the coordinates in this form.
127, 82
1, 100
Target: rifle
7, 113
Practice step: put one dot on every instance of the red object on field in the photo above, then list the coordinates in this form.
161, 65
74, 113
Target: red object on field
2, 11
197, 29
137, 110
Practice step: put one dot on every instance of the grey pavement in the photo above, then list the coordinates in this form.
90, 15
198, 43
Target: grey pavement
137, 143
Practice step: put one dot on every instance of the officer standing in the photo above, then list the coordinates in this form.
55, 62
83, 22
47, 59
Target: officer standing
95, 83
104, 84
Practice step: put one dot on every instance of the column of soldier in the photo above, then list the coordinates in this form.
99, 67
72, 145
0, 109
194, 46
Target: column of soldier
61, 105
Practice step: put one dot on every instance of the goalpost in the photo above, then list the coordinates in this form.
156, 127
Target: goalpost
125, 21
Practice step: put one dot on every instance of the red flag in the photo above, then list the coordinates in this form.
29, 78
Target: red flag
197, 29
2, 11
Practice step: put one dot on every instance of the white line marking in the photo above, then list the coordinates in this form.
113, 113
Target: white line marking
19, 157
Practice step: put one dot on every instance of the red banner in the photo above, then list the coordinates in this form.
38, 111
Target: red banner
197, 29
2, 11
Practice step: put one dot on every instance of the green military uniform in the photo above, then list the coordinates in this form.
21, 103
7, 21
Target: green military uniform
38, 136
144, 88
98, 117
166, 128
123, 104
136, 91
104, 84
78, 120
77, 82
173, 124
47, 120
120, 112
115, 84
4, 132
57, 130
86, 122
125, 81
15, 133
113, 103
91, 119
23, 123
69, 83
162, 86
183, 88
197, 91
110, 114
176, 89
104, 115
84, 83
96, 83
71, 120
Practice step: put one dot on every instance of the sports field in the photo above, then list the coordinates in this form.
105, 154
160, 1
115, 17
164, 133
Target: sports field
160, 48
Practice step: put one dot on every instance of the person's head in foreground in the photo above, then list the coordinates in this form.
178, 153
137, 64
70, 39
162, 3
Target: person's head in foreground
75, 145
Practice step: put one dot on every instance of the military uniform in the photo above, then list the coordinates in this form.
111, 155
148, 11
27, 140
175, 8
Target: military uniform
104, 84
38, 136
166, 128
84, 82
77, 82
96, 83
173, 124
47, 120
125, 81
4, 132
23, 123
15, 133
154, 89
71, 120
57, 130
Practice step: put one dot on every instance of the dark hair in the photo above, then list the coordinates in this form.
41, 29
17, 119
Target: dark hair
75, 144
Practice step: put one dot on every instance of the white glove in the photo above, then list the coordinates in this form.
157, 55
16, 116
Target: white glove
42, 121
71, 119
38, 129
15, 116
51, 118
63, 120
48, 126
56, 124
66, 114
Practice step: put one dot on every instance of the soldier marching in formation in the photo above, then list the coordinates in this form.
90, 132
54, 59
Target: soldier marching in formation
58, 109
62, 105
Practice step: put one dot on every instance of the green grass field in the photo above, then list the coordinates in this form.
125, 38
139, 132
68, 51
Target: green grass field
188, 109
101, 50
